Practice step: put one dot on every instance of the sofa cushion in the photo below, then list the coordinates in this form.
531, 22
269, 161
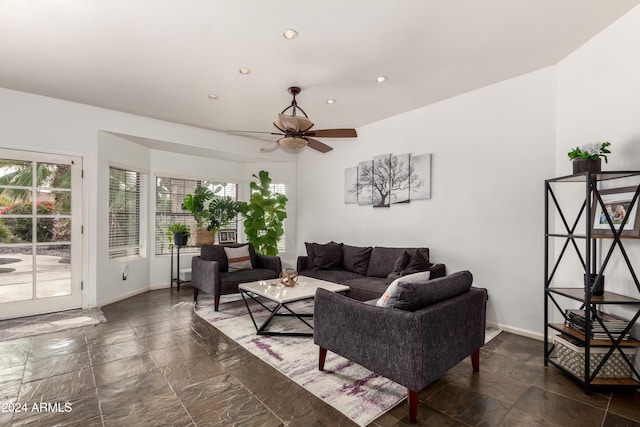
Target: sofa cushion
238, 258
391, 295
335, 276
327, 256
382, 259
415, 296
366, 288
417, 264
356, 259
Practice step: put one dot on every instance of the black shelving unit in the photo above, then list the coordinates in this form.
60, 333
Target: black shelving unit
574, 237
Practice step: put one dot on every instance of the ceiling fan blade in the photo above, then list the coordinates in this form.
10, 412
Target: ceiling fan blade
317, 145
269, 148
251, 131
333, 133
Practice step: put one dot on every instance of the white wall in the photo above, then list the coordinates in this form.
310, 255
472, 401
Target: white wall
598, 100
492, 149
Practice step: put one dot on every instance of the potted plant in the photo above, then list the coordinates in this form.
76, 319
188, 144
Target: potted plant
221, 212
196, 204
179, 234
587, 157
264, 214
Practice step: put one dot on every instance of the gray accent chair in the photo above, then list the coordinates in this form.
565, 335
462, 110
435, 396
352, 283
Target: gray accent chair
433, 327
209, 271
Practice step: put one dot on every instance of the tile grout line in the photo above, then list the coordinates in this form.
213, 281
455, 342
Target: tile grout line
93, 374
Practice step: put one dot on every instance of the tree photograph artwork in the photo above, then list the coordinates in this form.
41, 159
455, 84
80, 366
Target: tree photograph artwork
364, 188
388, 179
351, 185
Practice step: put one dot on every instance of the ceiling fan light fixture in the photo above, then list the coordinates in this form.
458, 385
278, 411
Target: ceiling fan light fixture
292, 143
244, 70
331, 101
290, 34
213, 96
381, 79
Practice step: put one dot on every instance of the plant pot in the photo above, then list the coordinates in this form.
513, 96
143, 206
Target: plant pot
598, 289
204, 237
180, 239
586, 165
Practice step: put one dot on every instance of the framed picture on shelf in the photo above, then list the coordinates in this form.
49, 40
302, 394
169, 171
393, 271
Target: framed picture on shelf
617, 206
227, 236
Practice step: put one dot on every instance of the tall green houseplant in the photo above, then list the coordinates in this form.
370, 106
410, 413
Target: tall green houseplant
264, 215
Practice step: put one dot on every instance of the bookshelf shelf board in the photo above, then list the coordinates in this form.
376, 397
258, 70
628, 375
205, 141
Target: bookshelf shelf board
593, 343
607, 298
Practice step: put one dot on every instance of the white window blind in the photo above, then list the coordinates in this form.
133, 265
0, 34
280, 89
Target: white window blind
127, 213
170, 194
282, 189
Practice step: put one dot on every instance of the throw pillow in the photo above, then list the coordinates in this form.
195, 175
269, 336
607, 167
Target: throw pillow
356, 259
310, 254
417, 264
415, 296
390, 297
328, 256
398, 266
238, 258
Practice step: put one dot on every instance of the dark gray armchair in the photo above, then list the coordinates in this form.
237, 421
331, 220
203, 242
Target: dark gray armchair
435, 326
209, 271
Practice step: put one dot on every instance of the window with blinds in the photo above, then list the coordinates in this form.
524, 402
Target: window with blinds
282, 189
170, 194
127, 213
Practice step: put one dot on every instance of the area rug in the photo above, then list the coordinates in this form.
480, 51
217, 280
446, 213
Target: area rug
47, 323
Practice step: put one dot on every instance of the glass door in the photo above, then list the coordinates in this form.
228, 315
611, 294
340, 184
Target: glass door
40, 233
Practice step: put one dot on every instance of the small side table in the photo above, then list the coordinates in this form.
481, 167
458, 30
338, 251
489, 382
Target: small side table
177, 278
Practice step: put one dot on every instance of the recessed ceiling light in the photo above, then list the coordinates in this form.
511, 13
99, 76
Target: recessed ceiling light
245, 71
331, 101
381, 79
213, 96
290, 34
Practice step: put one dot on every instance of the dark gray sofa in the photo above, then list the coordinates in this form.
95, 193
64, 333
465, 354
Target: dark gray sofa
367, 271
209, 271
430, 329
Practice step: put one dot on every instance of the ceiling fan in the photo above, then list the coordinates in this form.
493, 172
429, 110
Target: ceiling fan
295, 130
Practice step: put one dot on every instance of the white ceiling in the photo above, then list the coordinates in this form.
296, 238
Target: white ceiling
162, 58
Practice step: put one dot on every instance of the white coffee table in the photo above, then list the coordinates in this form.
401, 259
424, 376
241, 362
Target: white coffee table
284, 295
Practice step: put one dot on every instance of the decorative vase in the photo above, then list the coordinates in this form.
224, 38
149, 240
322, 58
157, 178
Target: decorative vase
204, 237
586, 165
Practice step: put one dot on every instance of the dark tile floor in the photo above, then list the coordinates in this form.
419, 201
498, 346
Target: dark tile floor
155, 363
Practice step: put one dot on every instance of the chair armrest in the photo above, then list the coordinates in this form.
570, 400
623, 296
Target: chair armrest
269, 262
301, 265
205, 275
410, 348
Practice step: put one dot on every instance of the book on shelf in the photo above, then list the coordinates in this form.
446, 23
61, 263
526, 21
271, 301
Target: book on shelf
575, 319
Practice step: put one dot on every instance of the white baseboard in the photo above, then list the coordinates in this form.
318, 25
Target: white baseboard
122, 297
525, 333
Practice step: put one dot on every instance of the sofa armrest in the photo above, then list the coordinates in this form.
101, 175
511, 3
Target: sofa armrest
410, 348
269, 262
301, 265
205, 275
